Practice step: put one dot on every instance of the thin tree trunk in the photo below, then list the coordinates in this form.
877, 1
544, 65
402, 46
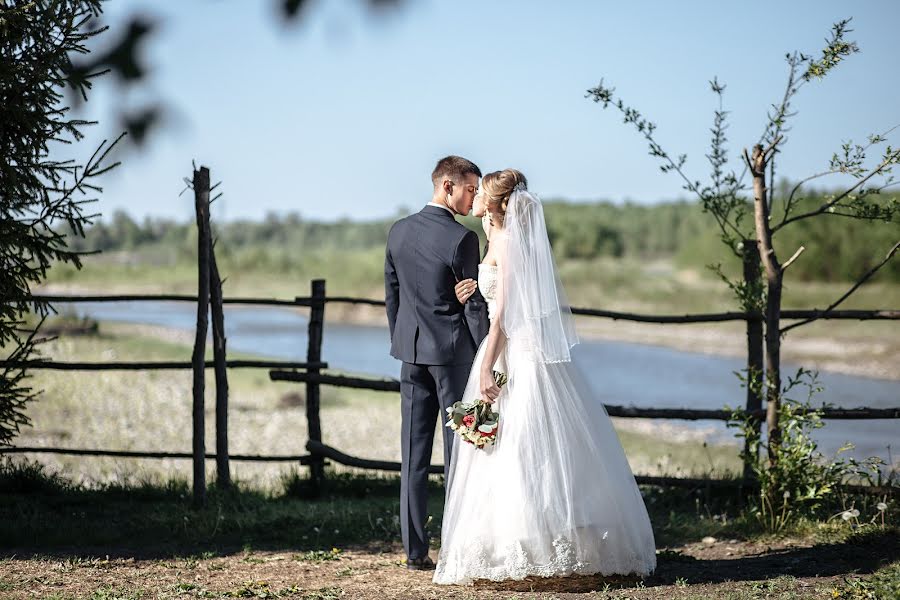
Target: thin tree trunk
313, 355
773, 364
201, 206
774, 275
223, 472
754, 351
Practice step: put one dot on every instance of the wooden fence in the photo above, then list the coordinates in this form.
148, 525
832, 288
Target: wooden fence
311, 374
210, 301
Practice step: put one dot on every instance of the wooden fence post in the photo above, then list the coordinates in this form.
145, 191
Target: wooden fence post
314, 355
223, 472
754, 347
201, 206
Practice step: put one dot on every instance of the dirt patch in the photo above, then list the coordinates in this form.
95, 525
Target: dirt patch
708, 569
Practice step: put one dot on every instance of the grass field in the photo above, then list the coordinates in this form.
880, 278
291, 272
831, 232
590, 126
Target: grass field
144, 540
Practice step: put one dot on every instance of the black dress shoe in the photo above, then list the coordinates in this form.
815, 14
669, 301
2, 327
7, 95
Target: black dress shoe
420, 564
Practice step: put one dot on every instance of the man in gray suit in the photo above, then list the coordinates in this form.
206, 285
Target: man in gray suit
434, 335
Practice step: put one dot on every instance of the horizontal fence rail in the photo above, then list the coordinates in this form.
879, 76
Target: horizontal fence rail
859, 315
392, 385
303, 459
724, 415
156, 365
384, 465
380, 385
352, 300
299, 301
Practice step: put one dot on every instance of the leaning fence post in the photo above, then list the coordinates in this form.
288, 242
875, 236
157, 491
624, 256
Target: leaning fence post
201, 206
750, 254
314, 355
223, 472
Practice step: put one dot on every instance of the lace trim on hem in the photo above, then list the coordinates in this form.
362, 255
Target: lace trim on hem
473, 563
501, 574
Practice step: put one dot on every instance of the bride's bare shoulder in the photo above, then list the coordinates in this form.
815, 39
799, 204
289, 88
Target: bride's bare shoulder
496, 248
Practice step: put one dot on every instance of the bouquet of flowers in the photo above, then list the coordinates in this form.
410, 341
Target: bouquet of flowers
476, 423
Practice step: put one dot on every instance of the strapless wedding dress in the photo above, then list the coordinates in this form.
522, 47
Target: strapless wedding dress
554, 495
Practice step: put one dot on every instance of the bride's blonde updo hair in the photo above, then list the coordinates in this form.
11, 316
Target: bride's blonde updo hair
498, 187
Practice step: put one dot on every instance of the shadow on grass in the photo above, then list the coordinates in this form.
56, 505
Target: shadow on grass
860, 555
43, 514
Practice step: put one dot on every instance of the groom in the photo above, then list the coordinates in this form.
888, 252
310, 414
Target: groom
434, 335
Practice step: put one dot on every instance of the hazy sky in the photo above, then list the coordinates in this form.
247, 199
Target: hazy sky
344, 113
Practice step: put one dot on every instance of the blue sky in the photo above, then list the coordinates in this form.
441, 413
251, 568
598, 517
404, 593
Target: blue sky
344, 113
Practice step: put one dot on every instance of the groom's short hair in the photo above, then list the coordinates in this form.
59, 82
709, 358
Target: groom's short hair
454, 168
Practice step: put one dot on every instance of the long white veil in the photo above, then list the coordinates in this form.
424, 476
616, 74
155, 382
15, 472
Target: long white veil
535, 307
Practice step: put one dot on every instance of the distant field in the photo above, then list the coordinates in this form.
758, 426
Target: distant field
615, 283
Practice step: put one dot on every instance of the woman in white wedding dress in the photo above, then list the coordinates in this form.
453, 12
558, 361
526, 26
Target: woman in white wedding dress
554, 495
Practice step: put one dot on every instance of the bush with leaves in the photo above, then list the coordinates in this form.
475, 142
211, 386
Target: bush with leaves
803, 481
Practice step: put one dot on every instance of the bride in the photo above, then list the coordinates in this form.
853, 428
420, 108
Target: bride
554, 495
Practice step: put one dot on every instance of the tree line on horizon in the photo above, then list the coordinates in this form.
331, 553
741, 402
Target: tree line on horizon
838, 249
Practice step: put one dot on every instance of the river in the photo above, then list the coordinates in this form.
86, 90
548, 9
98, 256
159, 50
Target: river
620, 373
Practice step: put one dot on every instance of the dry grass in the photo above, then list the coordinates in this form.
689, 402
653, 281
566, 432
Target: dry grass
151, 411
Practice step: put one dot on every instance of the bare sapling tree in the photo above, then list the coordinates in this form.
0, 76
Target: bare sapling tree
731, 201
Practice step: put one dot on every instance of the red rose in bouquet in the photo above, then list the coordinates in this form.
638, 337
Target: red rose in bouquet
477, 422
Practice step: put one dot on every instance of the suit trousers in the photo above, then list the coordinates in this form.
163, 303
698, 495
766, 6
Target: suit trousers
426, 391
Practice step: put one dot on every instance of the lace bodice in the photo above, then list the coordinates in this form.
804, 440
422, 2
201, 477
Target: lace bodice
487, 283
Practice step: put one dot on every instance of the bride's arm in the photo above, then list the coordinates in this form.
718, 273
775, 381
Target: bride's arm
496, 339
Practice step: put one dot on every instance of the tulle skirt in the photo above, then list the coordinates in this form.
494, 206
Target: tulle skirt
553, 496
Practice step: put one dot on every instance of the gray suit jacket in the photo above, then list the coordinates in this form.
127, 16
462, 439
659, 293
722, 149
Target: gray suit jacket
427, 253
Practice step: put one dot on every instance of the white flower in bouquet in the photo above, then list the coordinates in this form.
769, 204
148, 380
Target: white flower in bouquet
476, 421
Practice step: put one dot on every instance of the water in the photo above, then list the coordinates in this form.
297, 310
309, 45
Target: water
620, 373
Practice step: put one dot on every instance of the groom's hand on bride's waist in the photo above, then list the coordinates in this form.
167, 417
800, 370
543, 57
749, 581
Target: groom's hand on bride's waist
464, 290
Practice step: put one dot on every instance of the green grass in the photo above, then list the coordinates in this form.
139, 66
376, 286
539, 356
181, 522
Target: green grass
884, 583
43, 511
350, 272
55, 526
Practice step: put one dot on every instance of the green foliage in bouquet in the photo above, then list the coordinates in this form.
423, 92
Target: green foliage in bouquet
476, 423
